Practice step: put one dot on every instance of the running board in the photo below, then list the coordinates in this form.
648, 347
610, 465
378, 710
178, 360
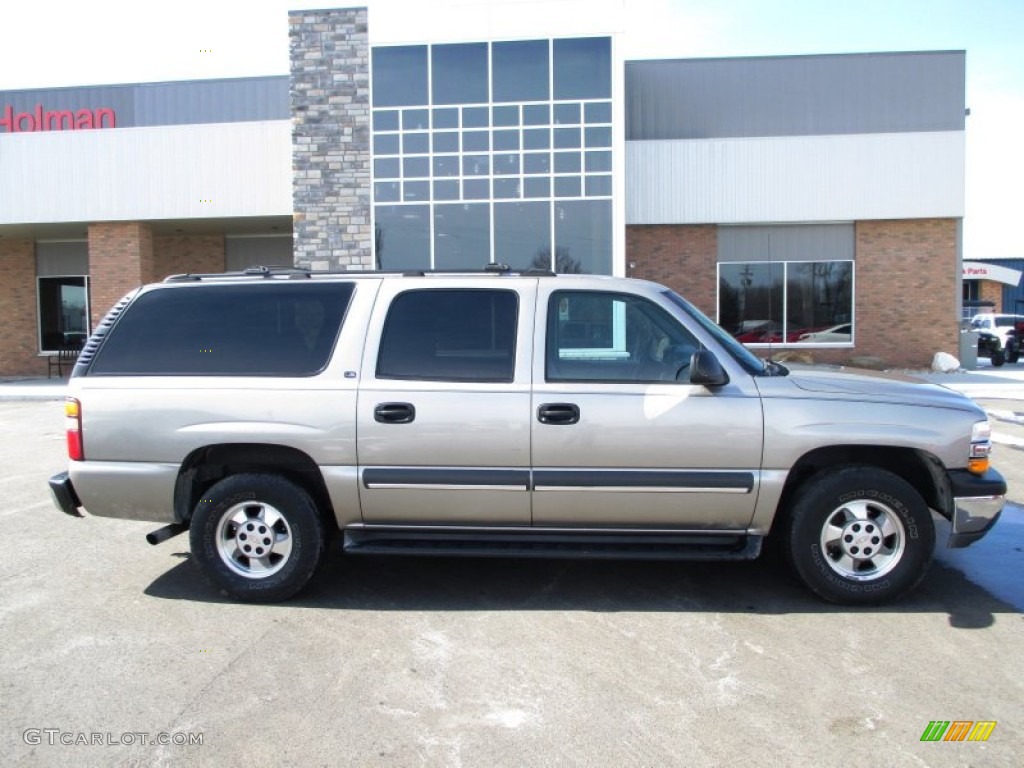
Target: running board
588, 545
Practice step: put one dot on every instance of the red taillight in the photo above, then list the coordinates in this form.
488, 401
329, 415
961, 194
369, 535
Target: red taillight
73, 424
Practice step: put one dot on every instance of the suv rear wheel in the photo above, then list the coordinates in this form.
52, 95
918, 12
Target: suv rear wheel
859, 535
257, 537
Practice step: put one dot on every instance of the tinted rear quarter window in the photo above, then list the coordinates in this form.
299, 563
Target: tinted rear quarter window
450, 335
255, 329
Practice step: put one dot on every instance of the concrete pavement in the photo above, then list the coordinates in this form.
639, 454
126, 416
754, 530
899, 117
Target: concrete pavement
110, 643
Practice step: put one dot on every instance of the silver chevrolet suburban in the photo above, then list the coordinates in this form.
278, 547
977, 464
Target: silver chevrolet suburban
508, 413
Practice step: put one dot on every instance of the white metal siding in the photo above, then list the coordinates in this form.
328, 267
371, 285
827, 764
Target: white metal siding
789, 179
164, 172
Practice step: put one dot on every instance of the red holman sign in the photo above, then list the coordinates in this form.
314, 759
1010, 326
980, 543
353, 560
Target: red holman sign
40, 119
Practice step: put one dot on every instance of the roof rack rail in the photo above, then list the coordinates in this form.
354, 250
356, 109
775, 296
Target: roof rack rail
301, 273
257, 271
276, 270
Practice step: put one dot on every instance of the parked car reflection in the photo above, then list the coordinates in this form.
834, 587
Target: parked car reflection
837, 334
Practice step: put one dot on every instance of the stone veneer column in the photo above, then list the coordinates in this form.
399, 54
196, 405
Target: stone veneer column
330, 105
19, 342
120, 259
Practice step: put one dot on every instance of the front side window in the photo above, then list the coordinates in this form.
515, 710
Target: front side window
226, 330
593, 336
799, 302
450, 335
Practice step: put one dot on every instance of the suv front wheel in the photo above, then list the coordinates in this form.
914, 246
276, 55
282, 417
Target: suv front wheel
257, 537
859, 535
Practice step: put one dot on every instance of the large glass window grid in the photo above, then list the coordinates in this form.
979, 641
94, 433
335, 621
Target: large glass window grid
496, 155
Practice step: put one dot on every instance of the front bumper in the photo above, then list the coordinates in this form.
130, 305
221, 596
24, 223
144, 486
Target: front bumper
64, 495
977, 502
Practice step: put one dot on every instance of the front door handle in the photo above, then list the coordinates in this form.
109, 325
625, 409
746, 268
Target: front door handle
394, 413
558, 413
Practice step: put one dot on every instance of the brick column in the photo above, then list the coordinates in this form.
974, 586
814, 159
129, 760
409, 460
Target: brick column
19, 342
120, 259
682, 257
907, 288
330, 104
989, 290
178, 254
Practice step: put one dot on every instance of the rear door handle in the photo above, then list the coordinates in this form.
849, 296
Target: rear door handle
558, 413
394, 413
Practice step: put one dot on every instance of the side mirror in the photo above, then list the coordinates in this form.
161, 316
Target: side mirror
705, 369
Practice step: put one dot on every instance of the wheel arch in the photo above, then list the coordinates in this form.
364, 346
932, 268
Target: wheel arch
922, 470
205, 466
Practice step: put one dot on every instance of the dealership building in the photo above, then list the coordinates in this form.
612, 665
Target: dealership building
808, 203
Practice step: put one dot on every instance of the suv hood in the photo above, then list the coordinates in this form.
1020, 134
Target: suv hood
854, 383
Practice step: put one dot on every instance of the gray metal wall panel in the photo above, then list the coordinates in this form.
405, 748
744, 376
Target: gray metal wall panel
797, 242
147, 104
212, 101
61, 259
795, 95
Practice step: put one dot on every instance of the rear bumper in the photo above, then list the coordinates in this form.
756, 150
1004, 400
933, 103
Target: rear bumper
978, 501
64, 496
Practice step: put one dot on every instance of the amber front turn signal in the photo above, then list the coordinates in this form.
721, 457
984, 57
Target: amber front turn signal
978, 466
981, 447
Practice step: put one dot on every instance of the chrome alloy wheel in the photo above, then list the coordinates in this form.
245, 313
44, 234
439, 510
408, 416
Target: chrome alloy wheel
863, 540
254, 540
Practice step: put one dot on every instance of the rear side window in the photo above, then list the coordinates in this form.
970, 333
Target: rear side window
450, 335
227, 330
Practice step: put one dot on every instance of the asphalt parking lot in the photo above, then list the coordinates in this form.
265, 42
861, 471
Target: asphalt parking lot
110, 644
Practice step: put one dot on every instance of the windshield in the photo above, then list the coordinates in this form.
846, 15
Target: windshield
739, 353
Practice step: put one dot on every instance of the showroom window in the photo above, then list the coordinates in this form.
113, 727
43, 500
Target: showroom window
63, 312
493, 152
787, 284
62, 293
806, 302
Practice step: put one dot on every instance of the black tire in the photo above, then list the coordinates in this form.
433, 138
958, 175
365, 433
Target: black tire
859, 535
1012, 351
998, 358
258, 538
